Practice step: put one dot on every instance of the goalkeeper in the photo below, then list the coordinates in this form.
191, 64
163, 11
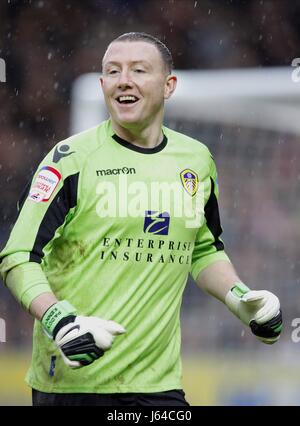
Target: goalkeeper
106, 288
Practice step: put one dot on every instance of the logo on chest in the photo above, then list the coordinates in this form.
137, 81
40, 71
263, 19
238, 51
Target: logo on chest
156, 223
190, 181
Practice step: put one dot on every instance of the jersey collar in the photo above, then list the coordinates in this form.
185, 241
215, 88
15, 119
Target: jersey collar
140, 149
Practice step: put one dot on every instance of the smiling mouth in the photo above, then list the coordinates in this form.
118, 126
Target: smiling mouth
127, 100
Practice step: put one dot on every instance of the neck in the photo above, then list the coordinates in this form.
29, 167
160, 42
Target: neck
145, 137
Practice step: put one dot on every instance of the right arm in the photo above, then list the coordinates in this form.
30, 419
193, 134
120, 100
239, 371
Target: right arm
93, 336
51, 197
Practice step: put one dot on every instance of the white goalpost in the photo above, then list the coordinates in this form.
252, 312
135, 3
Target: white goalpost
265, 98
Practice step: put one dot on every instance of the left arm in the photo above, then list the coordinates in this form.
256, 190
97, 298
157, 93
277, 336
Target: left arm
259, 309
213, 272
218, 279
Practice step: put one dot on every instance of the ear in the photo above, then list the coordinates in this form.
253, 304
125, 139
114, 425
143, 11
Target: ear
170, 86
101, 81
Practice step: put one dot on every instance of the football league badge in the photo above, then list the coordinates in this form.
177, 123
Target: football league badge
190, 181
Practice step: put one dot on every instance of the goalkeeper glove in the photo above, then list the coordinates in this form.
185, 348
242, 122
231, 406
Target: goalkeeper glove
259, 309
81, 340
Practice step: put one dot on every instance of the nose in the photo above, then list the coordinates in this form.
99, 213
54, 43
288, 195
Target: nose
124, 80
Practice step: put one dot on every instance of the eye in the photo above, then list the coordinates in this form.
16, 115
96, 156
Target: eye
139, 70
112, 72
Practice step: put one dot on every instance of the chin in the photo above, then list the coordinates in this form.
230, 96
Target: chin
127, 120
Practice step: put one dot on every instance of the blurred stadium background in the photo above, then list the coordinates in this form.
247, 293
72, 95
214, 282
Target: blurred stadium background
48, 45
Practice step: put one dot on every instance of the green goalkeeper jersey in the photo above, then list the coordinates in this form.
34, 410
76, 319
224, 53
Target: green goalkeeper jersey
115, 229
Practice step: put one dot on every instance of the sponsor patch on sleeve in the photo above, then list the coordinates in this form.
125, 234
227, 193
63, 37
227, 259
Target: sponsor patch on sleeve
44, 184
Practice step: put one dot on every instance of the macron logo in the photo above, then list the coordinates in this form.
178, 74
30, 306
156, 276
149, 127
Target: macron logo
124, 171
61, 152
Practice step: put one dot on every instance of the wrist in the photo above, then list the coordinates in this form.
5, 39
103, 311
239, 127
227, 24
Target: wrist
233, 297
59, 314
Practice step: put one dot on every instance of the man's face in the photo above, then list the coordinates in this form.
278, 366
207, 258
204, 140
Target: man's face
135, 83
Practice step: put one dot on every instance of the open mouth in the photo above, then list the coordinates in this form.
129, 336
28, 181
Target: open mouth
127, 100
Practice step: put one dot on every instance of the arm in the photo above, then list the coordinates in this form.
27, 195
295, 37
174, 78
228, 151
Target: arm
44, 210
214, 274
259, 309
218, 279
81, 340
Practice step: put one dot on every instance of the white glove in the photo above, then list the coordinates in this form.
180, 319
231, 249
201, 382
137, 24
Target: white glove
86, 339
259, 309
81, 340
